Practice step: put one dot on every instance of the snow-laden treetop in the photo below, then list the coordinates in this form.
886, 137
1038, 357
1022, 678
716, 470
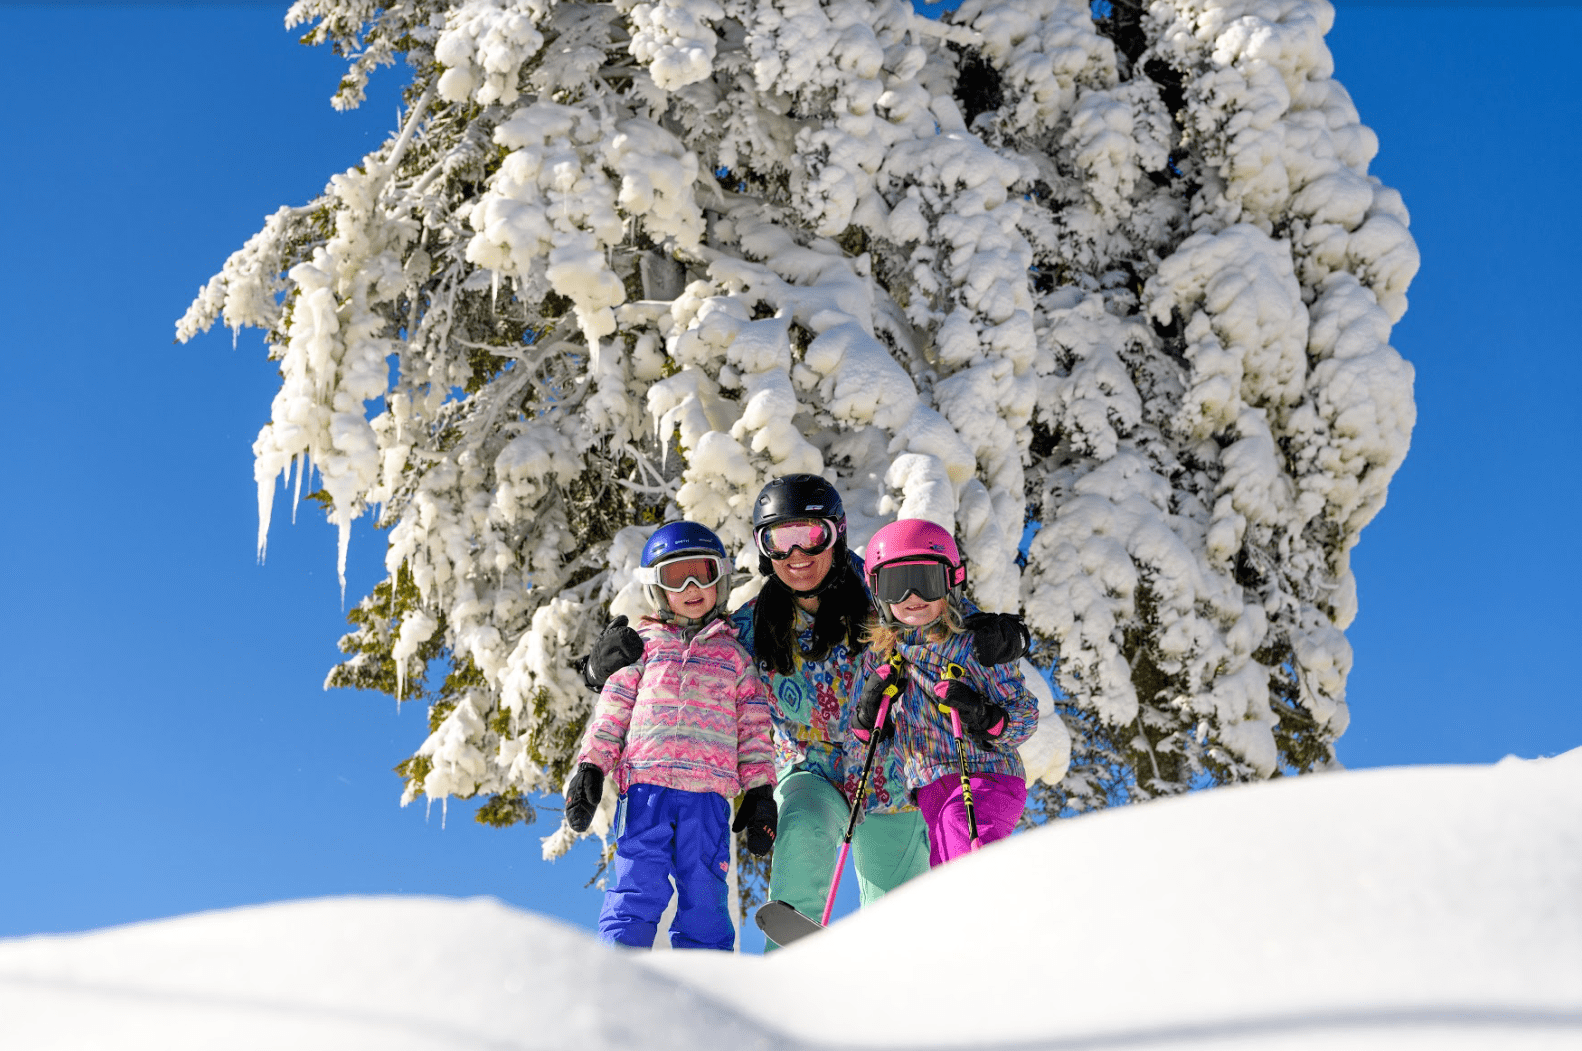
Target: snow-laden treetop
1114, 278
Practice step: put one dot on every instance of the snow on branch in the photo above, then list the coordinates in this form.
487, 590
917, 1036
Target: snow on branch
1111, 298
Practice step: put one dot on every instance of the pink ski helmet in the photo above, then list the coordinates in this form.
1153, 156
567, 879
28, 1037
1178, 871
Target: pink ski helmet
913, 540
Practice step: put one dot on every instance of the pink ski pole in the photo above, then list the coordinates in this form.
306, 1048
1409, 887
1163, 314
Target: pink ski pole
890, 693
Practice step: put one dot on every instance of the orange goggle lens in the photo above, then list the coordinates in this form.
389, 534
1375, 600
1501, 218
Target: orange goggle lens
702, 570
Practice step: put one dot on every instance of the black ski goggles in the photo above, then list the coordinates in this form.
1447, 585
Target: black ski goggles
892, 582
813, 535
681, 573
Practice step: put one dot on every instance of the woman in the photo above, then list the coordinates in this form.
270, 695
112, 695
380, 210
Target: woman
804, 629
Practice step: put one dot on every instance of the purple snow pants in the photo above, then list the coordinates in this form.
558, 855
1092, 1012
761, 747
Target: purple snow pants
997, 802
660, 834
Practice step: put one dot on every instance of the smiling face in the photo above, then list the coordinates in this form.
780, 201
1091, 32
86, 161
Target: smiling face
693, 603
803, 572
915, 613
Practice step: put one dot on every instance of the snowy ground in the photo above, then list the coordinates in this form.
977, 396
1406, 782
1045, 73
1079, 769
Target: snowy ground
1427, 907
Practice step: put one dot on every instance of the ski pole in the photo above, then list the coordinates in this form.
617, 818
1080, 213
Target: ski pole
890, 693
956, 671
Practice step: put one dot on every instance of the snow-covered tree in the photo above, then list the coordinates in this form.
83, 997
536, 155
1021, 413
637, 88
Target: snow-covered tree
1105, 288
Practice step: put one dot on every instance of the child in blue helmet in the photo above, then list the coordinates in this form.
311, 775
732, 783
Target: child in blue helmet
682, 731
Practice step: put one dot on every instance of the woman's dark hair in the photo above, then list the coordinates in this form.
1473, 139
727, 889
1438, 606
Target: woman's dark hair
843, 608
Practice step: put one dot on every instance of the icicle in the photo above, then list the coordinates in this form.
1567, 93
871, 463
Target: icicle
266, 505
296, 472
345, 526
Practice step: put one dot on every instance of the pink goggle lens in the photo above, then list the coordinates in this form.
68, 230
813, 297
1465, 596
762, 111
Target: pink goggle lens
812, 535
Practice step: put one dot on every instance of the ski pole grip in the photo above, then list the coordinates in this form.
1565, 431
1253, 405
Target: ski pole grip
896, 671
952, 671
892, 690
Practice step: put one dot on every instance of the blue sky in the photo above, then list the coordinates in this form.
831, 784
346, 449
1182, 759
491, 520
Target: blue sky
164, 732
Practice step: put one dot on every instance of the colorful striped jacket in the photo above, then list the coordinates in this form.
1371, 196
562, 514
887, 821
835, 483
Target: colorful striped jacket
692, 715
923, 739
809, 713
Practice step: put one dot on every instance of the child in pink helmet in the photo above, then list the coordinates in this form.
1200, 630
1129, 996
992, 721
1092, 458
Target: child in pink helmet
953, 712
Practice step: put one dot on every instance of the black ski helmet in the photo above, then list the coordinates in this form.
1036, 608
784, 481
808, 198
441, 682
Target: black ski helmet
799, 496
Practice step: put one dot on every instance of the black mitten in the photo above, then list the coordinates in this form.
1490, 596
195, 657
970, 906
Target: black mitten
997, 637
867, 711
616, 647
981, 718
583, 795
759, 815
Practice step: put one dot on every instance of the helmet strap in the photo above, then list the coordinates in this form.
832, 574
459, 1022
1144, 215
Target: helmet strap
663, 612
670, 616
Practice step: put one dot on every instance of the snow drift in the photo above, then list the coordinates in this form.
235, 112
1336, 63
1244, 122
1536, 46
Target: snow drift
1412, 907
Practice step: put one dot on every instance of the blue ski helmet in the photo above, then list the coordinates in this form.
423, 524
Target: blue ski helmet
677, 540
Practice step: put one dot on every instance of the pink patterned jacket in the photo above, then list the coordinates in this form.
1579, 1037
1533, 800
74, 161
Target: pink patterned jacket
691, 715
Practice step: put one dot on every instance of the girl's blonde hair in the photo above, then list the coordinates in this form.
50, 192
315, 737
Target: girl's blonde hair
883, 637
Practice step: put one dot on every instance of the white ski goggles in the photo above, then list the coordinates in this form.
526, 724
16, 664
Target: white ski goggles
680, 573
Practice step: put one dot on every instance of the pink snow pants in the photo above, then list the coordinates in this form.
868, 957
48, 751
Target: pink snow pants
997, 803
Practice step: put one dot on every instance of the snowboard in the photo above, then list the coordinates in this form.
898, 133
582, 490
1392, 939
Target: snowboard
782, 924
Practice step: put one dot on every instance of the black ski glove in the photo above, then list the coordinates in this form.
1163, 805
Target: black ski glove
618, 646
867, 711
583, 795
997, 637
981, 719
759, 815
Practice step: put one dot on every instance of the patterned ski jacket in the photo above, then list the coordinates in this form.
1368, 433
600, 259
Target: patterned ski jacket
808, 709
923, 741
692, 714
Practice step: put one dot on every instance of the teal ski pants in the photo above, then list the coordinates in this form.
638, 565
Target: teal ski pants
886, 849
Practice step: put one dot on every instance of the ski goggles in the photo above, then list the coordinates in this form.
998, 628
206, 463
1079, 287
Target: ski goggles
813, 535
679, 574
893, 582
